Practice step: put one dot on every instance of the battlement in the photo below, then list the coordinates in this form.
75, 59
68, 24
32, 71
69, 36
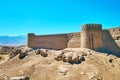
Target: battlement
115, 30
91, 27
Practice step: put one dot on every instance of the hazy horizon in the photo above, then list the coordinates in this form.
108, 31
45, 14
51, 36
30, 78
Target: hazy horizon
13, 40
19, 17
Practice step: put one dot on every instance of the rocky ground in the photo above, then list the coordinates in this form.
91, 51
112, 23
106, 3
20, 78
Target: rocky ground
28, 64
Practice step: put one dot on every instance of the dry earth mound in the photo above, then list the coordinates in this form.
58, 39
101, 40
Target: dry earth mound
36, 66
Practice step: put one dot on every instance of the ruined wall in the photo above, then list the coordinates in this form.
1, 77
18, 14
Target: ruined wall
115, 33
91, 36
74, 40
47, 41
111, 40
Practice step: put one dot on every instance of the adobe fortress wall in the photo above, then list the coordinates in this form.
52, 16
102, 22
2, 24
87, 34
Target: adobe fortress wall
56, 41
111, 40
92, 36
115, 33
74, 40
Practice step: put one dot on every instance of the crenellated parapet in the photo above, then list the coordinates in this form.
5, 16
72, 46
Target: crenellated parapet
92, 27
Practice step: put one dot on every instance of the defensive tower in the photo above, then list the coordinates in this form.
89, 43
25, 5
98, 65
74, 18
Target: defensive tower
91, 36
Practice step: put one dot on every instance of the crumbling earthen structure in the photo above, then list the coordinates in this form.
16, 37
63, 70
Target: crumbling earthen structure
92, 36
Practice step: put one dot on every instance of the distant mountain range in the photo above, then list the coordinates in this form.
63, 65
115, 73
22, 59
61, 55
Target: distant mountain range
13, 40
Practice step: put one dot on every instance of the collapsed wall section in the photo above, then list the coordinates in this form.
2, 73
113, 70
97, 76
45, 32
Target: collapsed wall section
58, 41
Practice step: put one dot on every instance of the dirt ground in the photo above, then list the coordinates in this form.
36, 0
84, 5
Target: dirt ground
97, 66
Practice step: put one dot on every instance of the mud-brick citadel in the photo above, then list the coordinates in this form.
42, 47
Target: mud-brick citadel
92, 36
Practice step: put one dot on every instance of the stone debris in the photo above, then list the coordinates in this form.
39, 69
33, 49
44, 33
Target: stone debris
37, 51
67, 57
42, 52
73, 58
58, 55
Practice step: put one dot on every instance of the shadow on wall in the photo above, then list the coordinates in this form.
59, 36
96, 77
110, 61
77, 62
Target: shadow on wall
109, 44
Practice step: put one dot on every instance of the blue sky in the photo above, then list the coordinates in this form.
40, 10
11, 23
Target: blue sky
19, 17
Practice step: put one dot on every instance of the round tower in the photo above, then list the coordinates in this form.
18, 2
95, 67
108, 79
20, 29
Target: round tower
85, 37
91, 36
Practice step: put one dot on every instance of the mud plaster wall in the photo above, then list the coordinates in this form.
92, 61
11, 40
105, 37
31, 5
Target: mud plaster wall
74, 40
59, 41
111, 40
106, 40
47, 41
